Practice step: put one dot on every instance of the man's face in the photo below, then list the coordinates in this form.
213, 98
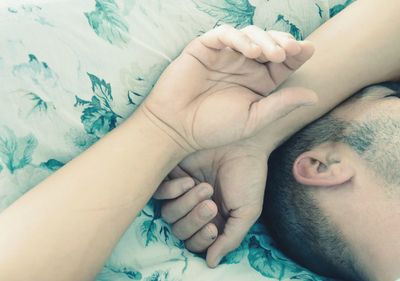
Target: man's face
364, 201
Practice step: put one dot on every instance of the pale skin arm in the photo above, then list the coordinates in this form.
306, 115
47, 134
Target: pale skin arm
358, 47
67, 225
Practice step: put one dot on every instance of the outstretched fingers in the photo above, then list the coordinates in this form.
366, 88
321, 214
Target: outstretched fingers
253, 42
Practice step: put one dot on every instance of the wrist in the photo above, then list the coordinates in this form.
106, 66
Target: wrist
157, 135
264, 142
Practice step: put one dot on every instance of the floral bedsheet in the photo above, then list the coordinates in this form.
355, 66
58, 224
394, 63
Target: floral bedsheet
72, 70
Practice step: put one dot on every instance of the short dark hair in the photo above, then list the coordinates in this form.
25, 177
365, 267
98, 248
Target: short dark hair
292, 216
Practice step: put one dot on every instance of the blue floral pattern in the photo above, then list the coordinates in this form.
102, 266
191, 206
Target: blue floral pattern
98, 117
108, 23
238, 13
71, 71
16, 152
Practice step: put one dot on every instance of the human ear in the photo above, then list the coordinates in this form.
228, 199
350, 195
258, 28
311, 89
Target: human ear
322, 167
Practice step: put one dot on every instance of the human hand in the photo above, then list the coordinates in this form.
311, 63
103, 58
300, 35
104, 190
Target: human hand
227, 199
224, 79
237, 174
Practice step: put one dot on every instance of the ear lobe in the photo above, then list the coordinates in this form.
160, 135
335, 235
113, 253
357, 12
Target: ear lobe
317, 168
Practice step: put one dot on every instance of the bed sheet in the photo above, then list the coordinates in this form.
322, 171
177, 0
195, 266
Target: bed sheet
72, 70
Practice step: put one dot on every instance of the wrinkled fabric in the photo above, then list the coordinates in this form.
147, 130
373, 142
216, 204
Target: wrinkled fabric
72, 70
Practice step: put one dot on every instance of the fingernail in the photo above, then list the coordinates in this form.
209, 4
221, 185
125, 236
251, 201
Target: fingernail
276, 48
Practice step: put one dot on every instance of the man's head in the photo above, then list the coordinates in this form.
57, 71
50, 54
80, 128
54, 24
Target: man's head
333, 189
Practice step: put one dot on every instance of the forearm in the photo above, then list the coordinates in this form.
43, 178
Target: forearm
358, 47
68, 224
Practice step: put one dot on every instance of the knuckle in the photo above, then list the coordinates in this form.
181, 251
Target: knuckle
192, 246
244, 37
210, 231
203, 191
206, 210
165, 214
168, 192
176, 231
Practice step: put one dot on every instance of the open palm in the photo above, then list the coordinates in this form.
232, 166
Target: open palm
228, 77
236, 81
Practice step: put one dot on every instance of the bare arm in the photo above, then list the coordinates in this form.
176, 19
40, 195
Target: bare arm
68, 224
358, 47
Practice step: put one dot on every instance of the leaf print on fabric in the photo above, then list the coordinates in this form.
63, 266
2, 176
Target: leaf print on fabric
160, 276
285, 269
134, 98
39, 105
165, 232
238, 13
338, 8
121, 274
139, 82
290, 27
12, 10
134, 275
78, 138
320, 11
33, 12
150, 230
52, 164
98, 117
263, 261
305, 276
37, 71
108, 23
16, 153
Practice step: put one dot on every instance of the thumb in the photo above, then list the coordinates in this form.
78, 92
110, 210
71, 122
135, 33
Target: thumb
235, 230
276, 106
